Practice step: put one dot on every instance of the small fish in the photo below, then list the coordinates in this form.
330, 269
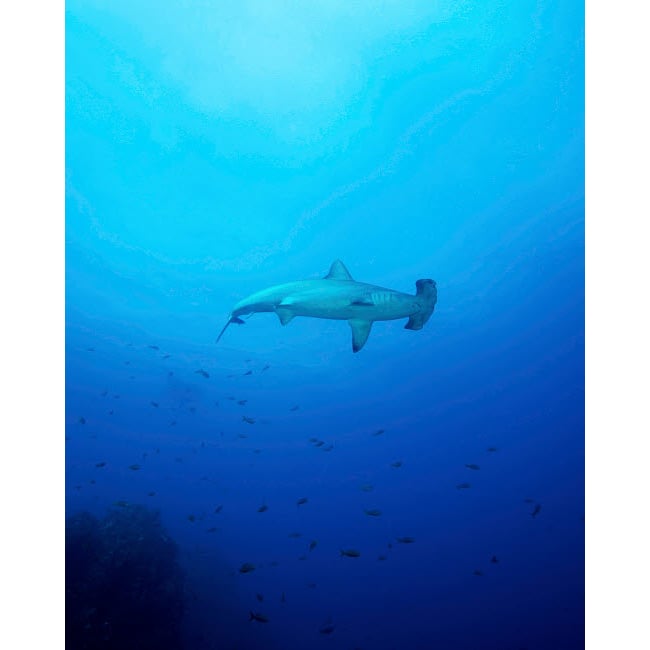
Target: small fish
327, 627
266, 367
166, 356
312, 545
367, 487
378, 432
381, 558
397, 463
203, 373
90, 349
82, 420
529, 500
256, 616
263, 508
302, 557
349, 552
295, 535
247, 567
319, 443
154, 347
492, 449
373, 512
214, 529
248, 420
472, 466
405, 540
283, 598
135, 467
463, 486
104, 393
172, 423
302, 501
151, 494
241, 402
328, 447
191, 518
242, 435
294, 408
494, 559
260, 597
218, 509
102, 464
250, 372
154, 404
121, 504
477, 572
111, 412
536, 510
311, 585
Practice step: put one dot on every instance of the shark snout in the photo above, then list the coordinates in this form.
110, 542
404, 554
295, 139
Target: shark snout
426, 287
427, 296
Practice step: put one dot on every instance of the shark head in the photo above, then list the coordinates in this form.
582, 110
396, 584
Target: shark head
427, 295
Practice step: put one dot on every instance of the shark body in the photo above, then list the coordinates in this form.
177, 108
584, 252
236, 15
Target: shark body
338, 297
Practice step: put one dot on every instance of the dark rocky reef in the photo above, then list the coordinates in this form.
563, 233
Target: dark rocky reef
124, 586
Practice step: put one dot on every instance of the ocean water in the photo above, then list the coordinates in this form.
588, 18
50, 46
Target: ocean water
217, 149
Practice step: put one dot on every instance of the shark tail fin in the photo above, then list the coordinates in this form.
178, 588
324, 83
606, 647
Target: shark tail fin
427, 292
232, 319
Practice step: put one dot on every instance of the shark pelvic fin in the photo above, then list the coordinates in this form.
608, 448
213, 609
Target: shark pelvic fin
284, 314
338, 272
360, 332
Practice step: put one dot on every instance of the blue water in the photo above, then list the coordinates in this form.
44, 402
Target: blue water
215, 149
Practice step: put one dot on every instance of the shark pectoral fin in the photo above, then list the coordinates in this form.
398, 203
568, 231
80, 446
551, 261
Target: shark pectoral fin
284, 314
360, 332
338, 272
363, 302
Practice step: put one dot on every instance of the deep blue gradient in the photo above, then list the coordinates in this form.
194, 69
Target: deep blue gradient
215, 149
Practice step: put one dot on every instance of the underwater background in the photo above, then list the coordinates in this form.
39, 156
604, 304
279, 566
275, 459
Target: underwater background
275, 490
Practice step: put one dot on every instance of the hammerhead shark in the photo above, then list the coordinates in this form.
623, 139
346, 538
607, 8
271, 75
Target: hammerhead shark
337, 296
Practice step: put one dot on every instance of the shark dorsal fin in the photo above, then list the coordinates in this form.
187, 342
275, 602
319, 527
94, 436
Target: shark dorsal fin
338, 272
